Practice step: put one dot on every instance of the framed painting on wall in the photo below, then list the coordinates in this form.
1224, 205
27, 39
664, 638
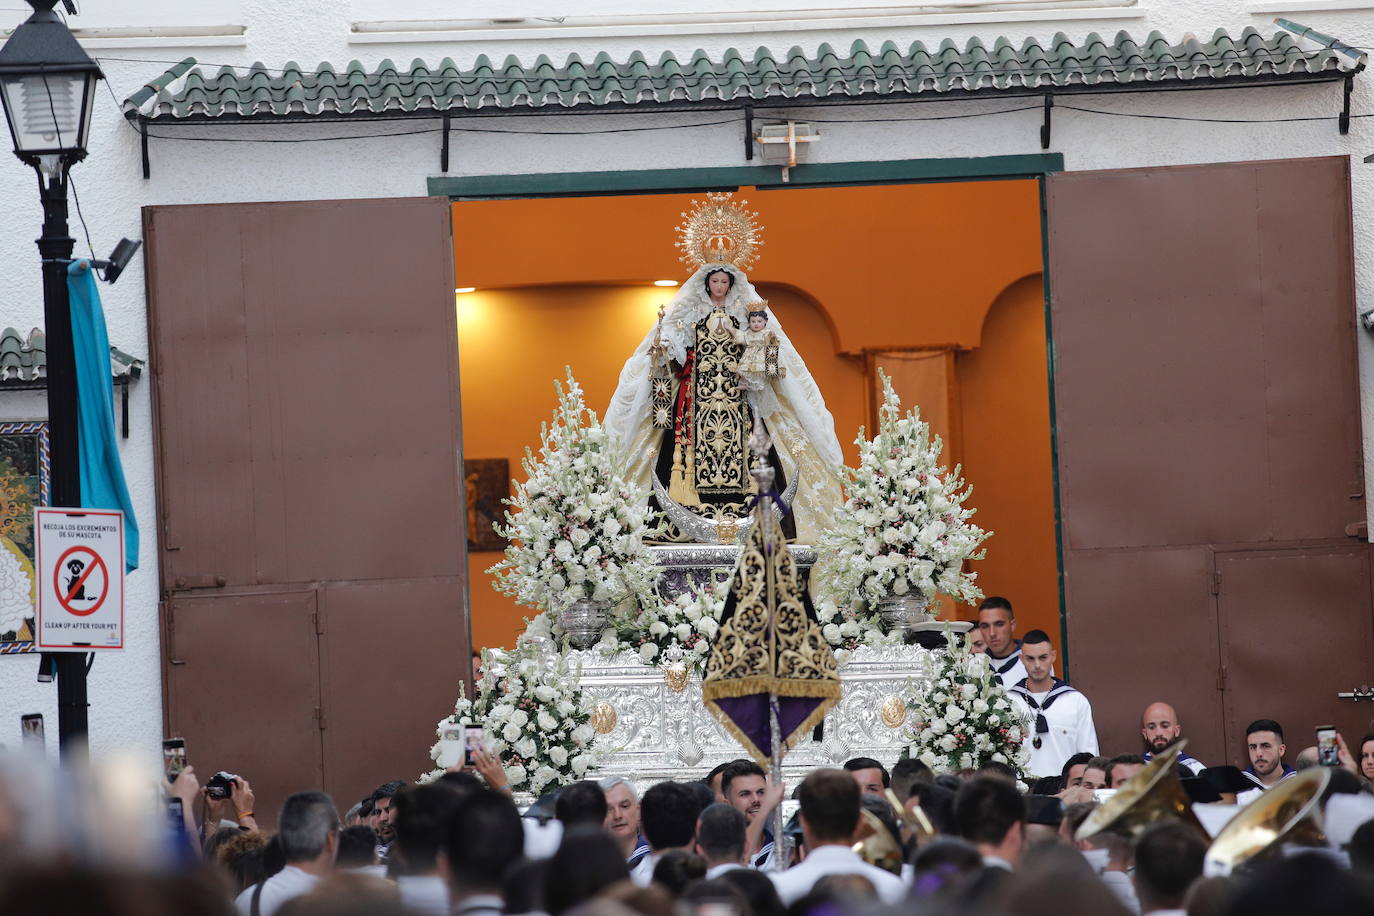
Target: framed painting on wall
24, 482
486, 482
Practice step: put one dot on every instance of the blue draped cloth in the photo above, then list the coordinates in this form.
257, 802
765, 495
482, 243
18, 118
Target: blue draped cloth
102, 473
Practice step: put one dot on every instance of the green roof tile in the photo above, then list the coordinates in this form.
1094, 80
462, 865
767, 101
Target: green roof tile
188, 92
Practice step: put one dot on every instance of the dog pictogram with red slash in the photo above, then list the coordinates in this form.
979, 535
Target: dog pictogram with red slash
81, 581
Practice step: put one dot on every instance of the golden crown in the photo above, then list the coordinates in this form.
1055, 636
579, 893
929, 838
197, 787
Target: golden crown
720, 230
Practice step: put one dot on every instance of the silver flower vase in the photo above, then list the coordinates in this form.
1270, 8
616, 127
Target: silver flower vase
582, 621
902, 613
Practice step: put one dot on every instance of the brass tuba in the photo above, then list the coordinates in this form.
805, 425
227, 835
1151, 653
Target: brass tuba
1288, 813
876, 845
1152, 795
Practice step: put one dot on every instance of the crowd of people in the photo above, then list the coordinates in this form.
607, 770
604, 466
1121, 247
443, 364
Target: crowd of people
864, 838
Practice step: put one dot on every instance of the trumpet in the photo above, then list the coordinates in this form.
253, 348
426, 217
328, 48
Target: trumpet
1152, 795
1289, 813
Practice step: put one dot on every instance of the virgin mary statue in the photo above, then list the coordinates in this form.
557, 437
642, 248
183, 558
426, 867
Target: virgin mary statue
717, 360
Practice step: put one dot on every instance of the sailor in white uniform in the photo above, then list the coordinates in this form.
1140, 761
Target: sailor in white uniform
1061, 717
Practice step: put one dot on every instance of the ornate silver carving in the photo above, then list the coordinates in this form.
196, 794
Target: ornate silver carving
704, 530
658, 729
701, 565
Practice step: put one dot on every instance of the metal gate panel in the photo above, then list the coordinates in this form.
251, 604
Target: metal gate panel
308, 434
1297, 628
1206, 398
243, 690
393, 655
1146, 631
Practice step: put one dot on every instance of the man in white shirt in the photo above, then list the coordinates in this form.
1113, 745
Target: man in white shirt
997, 624
830, 809
720, 839
1160, 728
1061, 717
308, 832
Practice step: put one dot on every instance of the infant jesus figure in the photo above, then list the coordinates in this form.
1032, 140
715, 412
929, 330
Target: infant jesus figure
759, 360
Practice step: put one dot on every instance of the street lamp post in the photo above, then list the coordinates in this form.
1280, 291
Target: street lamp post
47, 83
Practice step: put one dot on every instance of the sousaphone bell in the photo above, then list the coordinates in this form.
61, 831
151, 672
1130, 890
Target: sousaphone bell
1152, 795
1289, 813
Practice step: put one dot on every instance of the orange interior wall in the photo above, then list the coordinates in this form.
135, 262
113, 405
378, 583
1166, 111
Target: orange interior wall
892, 266
1005, 451
565, 281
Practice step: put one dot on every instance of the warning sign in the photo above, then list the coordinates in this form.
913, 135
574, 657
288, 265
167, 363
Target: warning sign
80, 579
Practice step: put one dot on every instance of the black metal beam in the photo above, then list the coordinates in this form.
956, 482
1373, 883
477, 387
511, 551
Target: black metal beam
748, 133
1045, 127
443, 150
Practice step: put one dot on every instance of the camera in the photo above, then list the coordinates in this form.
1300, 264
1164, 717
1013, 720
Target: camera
221, 785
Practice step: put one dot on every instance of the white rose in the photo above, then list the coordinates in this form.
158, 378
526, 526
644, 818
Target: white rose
519, 718
565, 708
658, 628
545, 693
500, 711
511, 732
969, 691
707, 627
579, 537
946, 743
994, 720
582, 512
580, 764
515, 775
558, 755
980, 706
890, 514
831, 633
929, 759
938, 726
526, 747
582, 734
849, 628
610, 527
682, 631
563, 551
648, 651
999, 757
953, 714
899, 586
842, 657
547, 722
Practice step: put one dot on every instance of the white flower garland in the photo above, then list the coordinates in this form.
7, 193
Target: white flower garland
579, 528
532, 713
966, 718
904, 528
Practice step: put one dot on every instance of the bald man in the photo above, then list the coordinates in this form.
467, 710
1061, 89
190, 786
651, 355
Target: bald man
1160, 729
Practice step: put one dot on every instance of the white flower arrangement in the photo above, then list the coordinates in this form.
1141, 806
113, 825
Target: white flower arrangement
904, 529
532, 713
847, 628
579, 526
689, 622
966, 718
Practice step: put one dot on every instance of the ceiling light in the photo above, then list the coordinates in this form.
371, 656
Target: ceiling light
466, 289
665, 283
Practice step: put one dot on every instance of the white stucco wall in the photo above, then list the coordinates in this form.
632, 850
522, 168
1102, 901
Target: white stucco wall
125, 687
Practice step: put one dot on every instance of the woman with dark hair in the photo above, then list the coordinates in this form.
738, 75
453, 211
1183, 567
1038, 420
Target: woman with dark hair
1365, 760
586, 862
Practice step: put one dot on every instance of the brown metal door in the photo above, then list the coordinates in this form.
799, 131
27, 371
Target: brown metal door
1205, 398
1300, 621
306, 394
243, 689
